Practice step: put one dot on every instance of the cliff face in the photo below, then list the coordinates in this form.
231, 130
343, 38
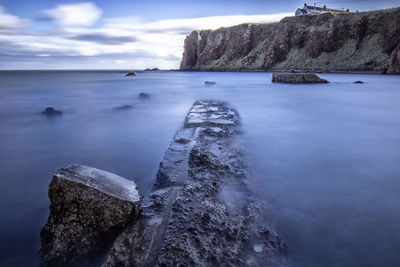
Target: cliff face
368, 41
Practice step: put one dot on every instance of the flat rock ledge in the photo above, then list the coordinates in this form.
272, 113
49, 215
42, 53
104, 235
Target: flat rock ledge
297, 78
88, 206
201, 212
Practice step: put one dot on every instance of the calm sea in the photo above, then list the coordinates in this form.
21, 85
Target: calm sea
326, 157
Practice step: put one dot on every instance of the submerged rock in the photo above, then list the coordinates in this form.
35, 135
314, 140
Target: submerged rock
131, 73
183, 140
297, 78
144, 95
209, 83
50, 111
124, 107
88, 207
187, 221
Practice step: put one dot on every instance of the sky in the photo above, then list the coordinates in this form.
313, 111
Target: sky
127, 34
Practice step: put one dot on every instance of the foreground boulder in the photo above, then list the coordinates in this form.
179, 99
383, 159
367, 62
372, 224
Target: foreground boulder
297, 78
201, 212
88, 207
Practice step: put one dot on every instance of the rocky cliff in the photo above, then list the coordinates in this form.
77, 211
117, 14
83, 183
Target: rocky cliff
365, 41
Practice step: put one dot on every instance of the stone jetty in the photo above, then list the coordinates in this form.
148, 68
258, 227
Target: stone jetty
200, 211
191, 219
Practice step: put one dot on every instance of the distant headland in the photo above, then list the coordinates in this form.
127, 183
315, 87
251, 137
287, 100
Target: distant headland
328, 41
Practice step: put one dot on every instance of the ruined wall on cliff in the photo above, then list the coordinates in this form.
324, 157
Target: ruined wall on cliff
367, 41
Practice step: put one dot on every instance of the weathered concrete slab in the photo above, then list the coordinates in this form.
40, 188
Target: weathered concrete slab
87, 207
297, 78
210, 113
191, 218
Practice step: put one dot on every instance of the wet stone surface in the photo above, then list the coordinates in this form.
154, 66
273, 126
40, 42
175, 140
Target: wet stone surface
191, 218
88, 208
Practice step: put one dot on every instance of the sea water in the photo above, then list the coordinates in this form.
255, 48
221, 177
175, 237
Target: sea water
325, 157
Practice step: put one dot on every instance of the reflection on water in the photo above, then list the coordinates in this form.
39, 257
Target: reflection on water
326, 157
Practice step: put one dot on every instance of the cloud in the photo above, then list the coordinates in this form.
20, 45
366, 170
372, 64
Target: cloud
81, 14
10, 22
113, 43
104, 38
189, 24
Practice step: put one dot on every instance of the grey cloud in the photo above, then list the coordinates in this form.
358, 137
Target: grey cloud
104, 39
17, 51
13, 52
184, 30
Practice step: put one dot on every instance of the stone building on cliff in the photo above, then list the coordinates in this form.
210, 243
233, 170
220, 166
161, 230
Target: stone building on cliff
315, 10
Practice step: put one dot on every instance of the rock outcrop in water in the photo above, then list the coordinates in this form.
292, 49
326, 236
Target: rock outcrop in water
131, 73
88, 206
192, 218
364, 41
144, 95
50, 111
297, 78
209, 83
124, 107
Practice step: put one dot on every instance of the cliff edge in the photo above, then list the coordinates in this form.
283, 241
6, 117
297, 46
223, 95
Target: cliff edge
365, 41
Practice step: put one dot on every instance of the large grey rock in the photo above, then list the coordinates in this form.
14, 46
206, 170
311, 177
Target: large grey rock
297, 78
191, 218
88, 206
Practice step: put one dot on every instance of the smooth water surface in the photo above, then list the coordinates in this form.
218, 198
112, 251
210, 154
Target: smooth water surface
326, 157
